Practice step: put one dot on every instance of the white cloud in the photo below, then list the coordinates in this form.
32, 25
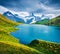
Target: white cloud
51, 15
21, 13
3, 9
51, 12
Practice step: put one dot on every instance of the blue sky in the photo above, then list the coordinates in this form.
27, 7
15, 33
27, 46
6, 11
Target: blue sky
35, 6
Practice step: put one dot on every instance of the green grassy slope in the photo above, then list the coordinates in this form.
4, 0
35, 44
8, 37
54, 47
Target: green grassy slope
5, 22
46, 47
16, 48
42, 21
6, 28
54, 21
9, 44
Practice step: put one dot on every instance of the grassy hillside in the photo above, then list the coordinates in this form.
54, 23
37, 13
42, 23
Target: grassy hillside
54, 21
45, 47
9, 44
42, 21
16, 48
6, 26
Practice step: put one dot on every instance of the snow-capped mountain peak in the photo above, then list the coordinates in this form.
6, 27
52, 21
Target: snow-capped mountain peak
8, 13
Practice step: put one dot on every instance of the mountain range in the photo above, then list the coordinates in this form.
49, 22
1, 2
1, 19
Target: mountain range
15, 17
52, 22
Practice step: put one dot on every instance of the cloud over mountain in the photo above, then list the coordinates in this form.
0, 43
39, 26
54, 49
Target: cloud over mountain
35, 6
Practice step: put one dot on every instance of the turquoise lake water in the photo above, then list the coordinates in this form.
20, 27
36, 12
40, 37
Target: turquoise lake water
29, 32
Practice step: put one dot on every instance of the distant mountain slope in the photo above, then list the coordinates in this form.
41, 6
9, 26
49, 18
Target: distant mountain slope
15, 18
9, 44
54, 21
42, 21
29, 21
